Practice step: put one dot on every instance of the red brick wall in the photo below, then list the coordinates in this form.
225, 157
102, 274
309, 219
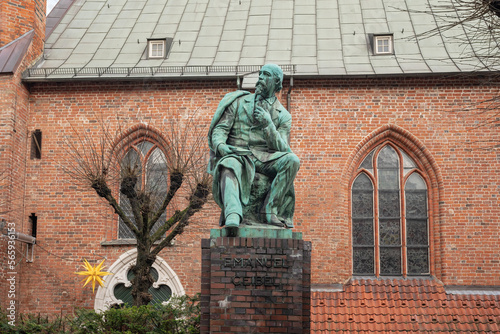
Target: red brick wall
334, 122
20, 16
16, 18
335, 117
13, 136
239, 294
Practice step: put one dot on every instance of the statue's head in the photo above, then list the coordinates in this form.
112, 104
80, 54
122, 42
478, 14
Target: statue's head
270, 80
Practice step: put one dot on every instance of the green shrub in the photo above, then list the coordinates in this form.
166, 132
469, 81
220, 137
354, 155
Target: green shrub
27, 324
180, 316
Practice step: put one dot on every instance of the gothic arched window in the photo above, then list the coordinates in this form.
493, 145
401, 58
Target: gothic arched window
390, 230
160, 293
147, 161
118, 287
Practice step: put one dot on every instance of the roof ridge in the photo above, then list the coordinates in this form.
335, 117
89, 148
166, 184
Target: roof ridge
16, 40
12, 54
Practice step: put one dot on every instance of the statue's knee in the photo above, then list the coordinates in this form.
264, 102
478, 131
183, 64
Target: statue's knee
231, 166
293, 161
231, 161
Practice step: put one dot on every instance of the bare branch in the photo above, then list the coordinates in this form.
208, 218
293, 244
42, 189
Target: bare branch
474, 25
176, 180
197, 200
102, 189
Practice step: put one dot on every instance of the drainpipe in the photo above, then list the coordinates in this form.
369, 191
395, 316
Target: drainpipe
288, 95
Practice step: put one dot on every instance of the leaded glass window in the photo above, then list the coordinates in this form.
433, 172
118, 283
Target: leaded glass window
389, 215
362, 225
160, 294
148, 161
416, 225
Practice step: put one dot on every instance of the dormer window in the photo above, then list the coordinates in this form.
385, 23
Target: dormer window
383, 44
156, 48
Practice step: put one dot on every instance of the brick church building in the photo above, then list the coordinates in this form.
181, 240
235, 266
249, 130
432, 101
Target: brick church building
398, 188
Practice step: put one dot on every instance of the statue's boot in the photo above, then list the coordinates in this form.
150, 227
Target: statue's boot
232, 220
273, 220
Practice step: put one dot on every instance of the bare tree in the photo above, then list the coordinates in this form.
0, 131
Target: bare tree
141, 206
475, 26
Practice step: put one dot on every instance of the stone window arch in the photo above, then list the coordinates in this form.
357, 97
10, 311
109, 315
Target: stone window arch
115, 288
390, 214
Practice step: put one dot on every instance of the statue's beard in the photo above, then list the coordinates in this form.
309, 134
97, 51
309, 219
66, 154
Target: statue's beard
262, 89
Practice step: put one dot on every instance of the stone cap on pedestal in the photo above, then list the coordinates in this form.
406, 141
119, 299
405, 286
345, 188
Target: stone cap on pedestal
268, 233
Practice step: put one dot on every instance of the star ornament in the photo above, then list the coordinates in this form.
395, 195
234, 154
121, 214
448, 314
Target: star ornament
93, 273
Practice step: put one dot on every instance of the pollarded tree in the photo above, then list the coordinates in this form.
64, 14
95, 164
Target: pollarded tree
146, 190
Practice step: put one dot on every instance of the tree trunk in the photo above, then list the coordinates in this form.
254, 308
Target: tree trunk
142, 280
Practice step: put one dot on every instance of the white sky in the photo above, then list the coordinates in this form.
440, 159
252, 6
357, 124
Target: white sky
51, 4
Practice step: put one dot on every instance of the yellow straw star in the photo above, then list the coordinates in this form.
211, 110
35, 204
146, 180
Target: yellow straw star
93, 273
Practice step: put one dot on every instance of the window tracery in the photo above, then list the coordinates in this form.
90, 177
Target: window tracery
117, 286
390, 233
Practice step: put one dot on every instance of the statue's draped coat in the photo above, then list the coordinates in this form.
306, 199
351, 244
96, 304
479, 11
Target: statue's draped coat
235, 114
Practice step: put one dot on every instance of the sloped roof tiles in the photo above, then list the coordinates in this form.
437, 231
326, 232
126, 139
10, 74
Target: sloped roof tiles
403, 306
12, 54
323, 37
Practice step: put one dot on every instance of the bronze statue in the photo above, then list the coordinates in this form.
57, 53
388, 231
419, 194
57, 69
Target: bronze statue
250, 135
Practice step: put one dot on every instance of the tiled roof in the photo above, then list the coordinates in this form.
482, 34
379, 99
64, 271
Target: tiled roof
12, 53
55, 15
403, 306
100, 38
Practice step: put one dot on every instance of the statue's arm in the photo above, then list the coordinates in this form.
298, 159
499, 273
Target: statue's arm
278, 139
221, 131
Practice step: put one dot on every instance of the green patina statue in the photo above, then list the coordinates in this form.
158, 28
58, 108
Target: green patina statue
251, 161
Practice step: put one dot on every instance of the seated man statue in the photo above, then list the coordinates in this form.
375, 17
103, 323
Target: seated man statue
249, 134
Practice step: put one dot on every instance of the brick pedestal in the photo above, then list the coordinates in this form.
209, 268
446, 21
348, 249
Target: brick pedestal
258, 282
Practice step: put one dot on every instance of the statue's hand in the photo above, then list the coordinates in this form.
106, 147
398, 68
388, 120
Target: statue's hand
262, 116
224, 150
